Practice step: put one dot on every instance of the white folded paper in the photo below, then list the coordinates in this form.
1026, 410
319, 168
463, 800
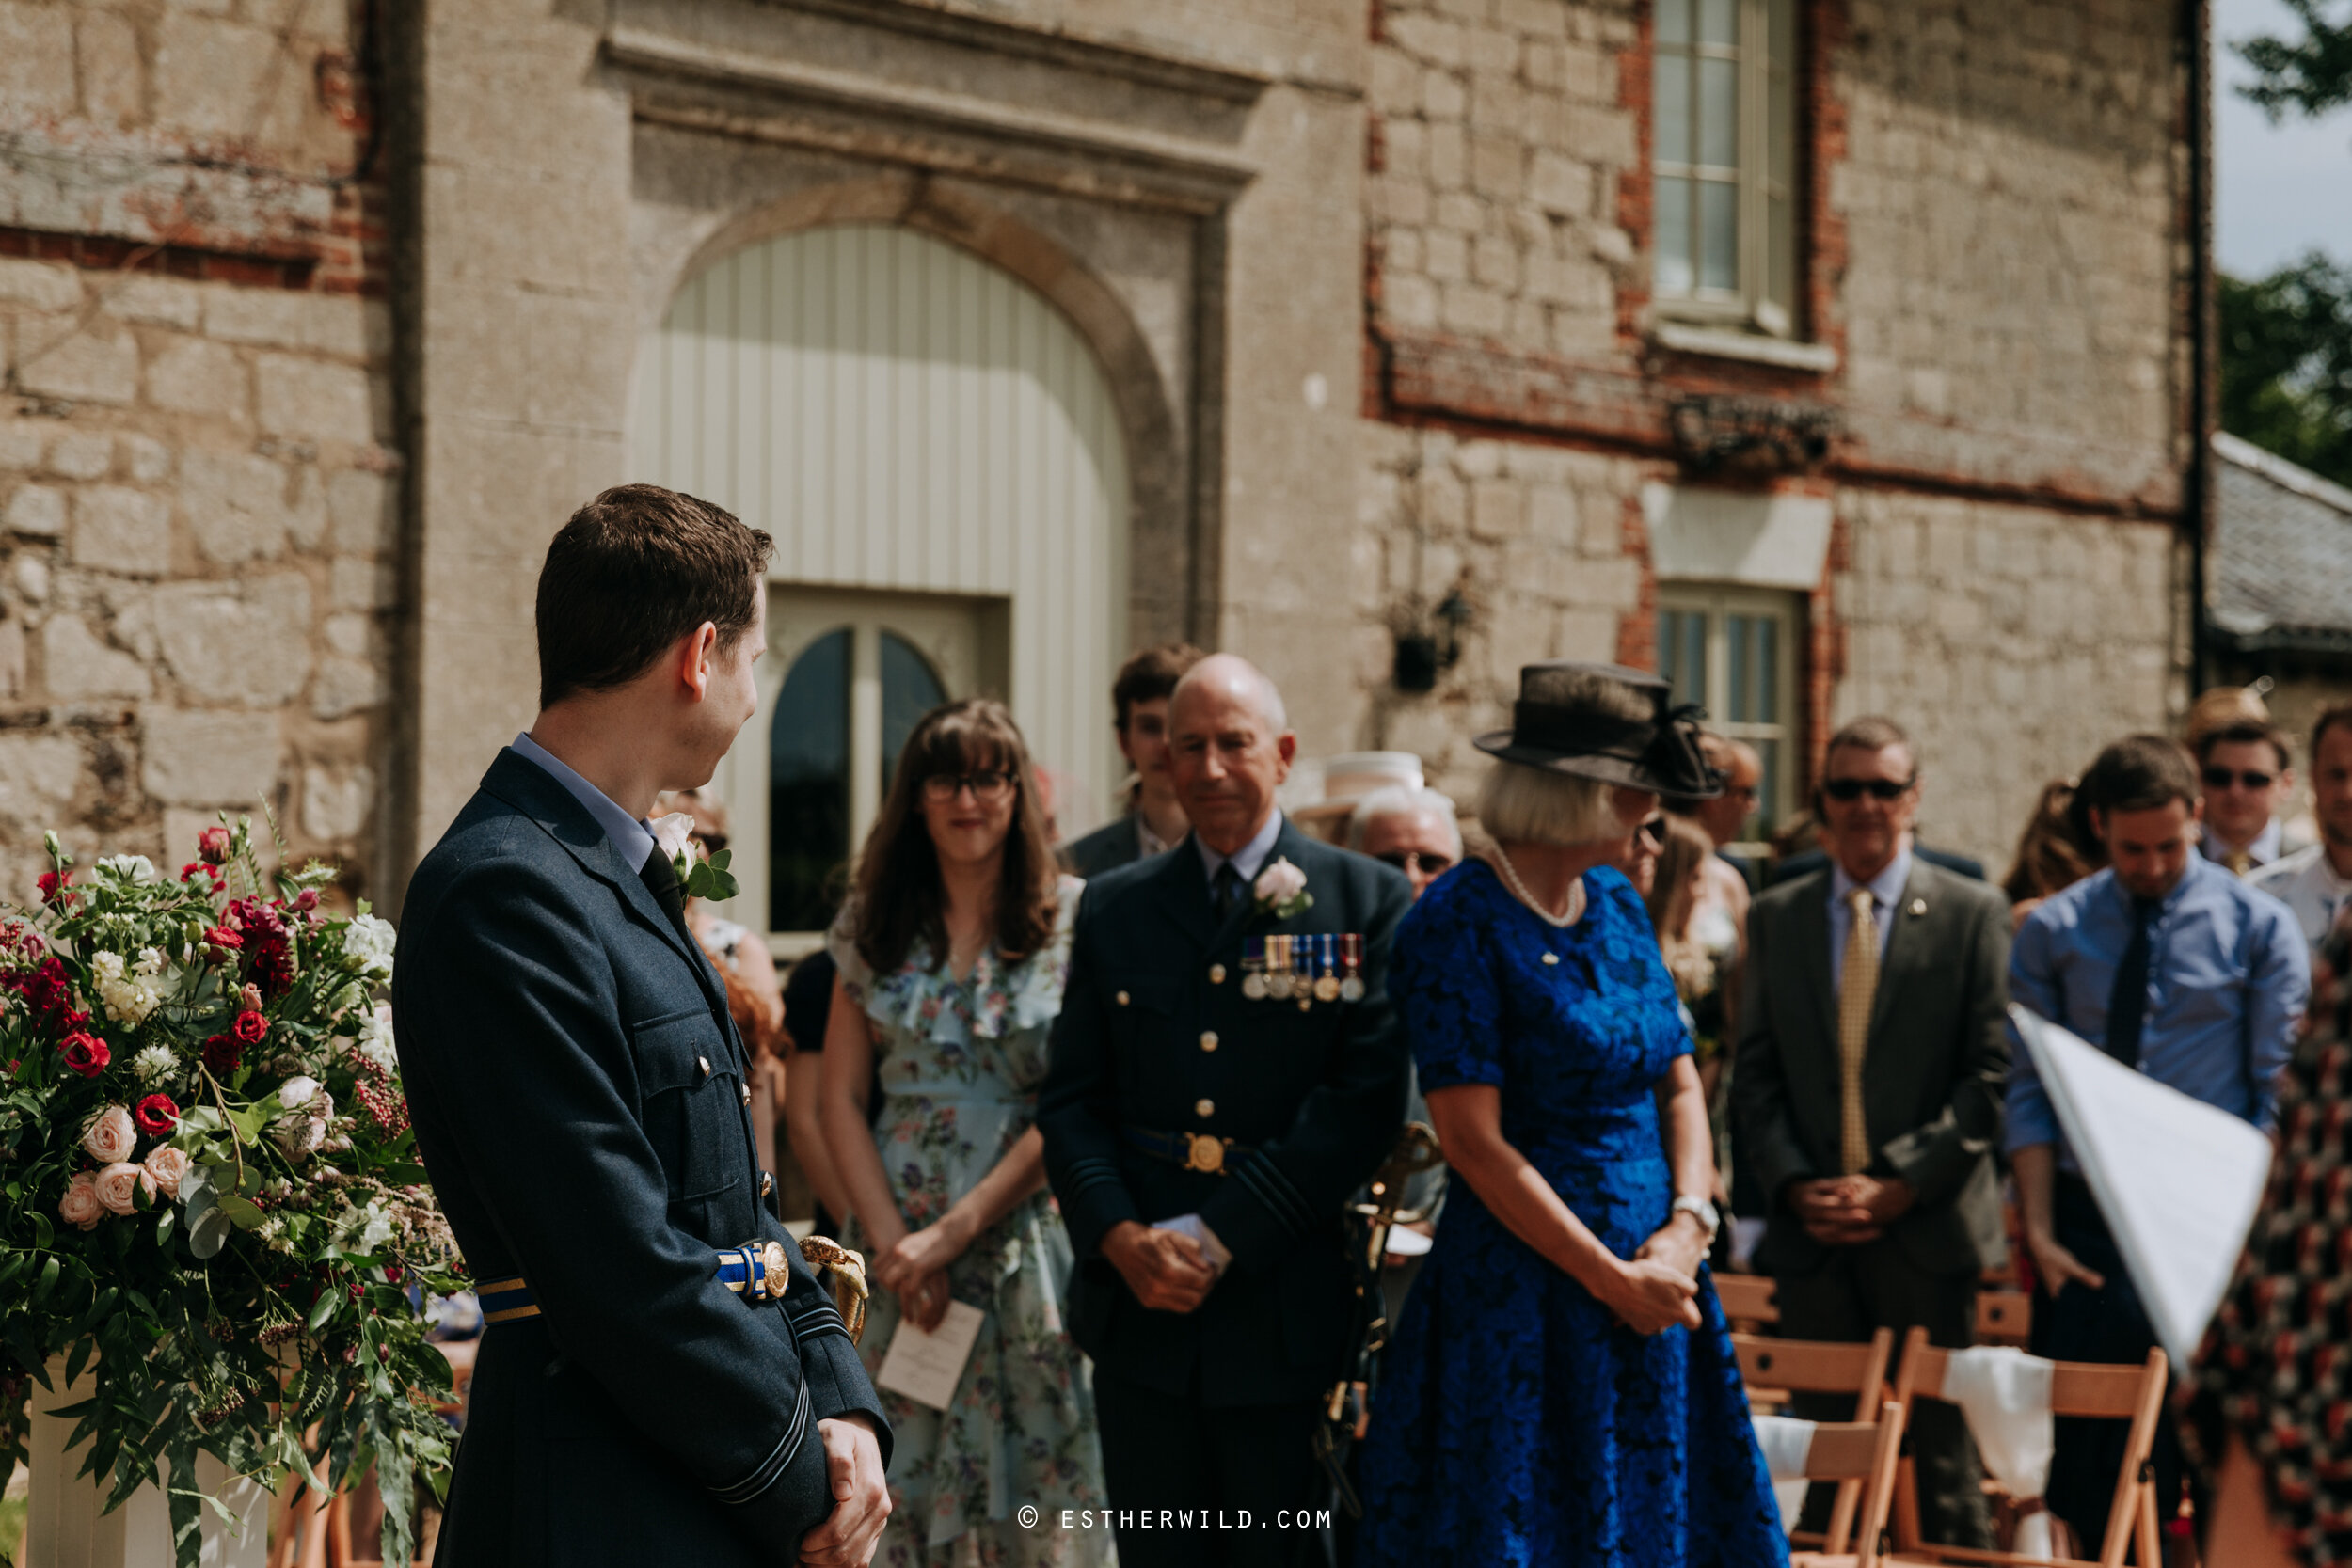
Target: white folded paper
2178, 1181
1786, 1443
925, 1367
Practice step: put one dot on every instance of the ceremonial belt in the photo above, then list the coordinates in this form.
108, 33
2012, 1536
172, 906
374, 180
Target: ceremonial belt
758, 1271
1191, 1150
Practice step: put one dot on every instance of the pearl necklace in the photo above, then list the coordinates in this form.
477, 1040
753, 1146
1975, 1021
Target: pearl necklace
1575, 912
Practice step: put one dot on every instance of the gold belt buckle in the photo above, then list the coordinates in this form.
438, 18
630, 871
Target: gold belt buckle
1205, 1153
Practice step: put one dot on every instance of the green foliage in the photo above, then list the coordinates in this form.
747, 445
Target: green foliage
207, 1052
2286, 363
2311, 75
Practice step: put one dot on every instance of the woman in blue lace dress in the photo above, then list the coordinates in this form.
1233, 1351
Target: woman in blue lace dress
1562, 1389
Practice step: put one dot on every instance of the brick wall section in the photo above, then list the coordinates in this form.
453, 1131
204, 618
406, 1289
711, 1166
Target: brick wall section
196, 481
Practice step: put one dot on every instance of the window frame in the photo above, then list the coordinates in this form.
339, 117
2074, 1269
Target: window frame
1765, 172
1717, 603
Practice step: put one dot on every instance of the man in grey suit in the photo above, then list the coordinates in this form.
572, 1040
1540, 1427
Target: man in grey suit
1869, 1091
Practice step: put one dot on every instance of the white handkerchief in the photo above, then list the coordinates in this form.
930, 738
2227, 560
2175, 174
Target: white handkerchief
1786, 1443
925, 1367
2005, 1394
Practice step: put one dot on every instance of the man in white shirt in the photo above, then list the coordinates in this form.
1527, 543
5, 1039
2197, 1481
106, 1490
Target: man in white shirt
2316, 881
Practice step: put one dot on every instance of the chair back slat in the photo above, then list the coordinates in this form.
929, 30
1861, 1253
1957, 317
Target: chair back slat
1842, 1450
2004, 1317
1748, 1297
1808, 1366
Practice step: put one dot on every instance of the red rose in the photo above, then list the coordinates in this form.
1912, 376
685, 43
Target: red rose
52, 886
85, 1054
156, 1115
212, 844
222, 942
223, 1055
251, 1028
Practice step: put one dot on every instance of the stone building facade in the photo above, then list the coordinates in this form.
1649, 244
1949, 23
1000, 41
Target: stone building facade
1403, 321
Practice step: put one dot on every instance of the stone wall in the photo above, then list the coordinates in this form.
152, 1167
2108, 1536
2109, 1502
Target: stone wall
196, 475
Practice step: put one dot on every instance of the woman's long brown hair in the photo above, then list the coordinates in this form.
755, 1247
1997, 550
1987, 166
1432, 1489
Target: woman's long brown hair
899, 893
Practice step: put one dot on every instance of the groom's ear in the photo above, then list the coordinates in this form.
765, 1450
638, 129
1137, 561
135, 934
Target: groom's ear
695, 657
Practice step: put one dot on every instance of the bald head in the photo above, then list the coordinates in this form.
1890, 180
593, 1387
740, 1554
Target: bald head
1230, 746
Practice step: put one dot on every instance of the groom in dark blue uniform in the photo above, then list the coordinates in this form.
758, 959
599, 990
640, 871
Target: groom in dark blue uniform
1212, 1107
661, 1380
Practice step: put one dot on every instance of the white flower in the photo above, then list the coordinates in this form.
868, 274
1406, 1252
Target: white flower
155, 1064
150, 961
365, 1229
371, 939
127, 999
1279, 883
131, 868
375, 1038
296, 1092
674, 834
111, 1136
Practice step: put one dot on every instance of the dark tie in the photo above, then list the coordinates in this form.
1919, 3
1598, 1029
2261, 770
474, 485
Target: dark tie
661, 878
2127, 1004
1225, 890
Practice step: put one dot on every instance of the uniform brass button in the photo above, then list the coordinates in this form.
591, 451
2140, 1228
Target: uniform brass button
767, 1184
1551, 958
1217, 975
704, 1063
747, 1093
1205, 1109
1208, 1039
1122, 998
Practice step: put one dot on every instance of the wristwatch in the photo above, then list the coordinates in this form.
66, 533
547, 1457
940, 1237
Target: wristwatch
1700, 1210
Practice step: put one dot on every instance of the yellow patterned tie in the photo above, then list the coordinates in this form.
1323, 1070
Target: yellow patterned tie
1857, 988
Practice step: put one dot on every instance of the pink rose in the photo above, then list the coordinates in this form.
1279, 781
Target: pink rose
166, 1166
119, 1187
80, 1206
110, 1138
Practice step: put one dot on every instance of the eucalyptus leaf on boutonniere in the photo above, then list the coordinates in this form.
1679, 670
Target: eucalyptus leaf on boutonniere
1282, 890
698, 878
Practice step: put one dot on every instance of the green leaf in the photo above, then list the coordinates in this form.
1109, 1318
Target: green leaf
208, 1232
47, 1282
163, 1223
240, 1212
322, 1309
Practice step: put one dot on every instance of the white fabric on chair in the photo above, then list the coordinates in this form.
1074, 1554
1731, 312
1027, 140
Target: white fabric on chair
2005, 1395
1786, 1443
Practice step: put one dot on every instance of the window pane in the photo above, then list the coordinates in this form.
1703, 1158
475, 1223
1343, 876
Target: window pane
1767, 669
1674, 21
1673, 124
1718, 20
1719, 235
1666, 671
1784, 47
808, 785
1673, 237
909, 690
1767, 789
1780, 286
1741, 708
1694, 656
1783, 134
1719, 113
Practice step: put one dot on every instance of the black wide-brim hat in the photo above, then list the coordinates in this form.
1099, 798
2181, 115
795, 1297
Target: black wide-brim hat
1547, 730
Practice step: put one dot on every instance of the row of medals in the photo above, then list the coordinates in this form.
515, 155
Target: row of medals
1304, 968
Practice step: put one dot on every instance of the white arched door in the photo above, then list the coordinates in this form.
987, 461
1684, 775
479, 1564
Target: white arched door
936, 453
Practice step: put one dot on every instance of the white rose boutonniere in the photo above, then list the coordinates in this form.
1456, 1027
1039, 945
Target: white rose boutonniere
674, 836
1282, 890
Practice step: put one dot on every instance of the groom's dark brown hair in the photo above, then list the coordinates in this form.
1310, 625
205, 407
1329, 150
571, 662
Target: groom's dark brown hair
634, 572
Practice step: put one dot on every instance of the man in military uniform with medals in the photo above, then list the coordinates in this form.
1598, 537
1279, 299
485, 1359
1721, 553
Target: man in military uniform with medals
1226, 1073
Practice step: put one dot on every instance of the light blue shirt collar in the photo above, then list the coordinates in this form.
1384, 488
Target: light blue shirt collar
1885, 887
1251, 857
633, 838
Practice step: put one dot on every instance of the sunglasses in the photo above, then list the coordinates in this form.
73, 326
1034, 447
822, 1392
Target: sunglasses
984, 786
1847, 790
2222, 778
1417, 862
1652, 835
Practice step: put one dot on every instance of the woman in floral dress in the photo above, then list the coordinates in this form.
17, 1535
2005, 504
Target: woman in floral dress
951, 953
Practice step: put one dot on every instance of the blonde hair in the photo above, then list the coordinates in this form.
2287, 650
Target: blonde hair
1535, 805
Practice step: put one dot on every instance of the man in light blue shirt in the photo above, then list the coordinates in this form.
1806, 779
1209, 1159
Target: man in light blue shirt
2172, 965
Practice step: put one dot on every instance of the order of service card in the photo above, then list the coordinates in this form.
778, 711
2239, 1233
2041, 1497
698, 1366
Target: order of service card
927, 1367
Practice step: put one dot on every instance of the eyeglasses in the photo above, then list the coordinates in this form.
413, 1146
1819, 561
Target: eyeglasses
2222, 778
985, 787
1417, 862
1652, 834
1879, 789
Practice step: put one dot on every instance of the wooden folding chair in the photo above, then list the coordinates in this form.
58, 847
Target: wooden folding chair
1856, 1454
2118, 1393
2004, 1318
1774, 1369
1748, 1300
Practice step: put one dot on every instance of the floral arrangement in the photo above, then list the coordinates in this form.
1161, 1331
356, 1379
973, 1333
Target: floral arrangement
209, 1192
1280, 891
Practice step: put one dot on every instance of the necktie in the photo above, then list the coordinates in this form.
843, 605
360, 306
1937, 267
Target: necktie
2127, 1004
1225, 890
1857, 990
2241, 862
660, 880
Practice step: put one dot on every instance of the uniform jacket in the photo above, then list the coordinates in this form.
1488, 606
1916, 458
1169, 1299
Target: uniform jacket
1932, 1073
1107, 848
1318, 1096
577, 1095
